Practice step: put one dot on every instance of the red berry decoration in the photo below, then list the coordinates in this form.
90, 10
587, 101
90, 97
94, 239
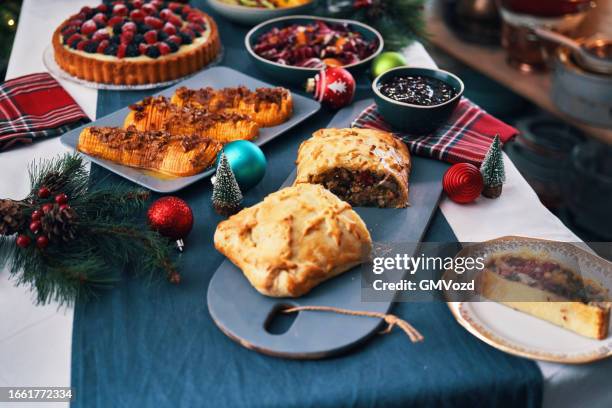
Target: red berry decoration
121, 50
61, 198
148, 9
115, 20
129, 26
150, 37
333, 87
102, 46
137, 15
120, 10
164, 48
37, 215
175, 39
169, 29
44, 192
171, 217
100, 35
35, 226
23, 241
463, 183
88, 27
100, 18
42, 242
153, 22
46, 208
165, 13
64, 207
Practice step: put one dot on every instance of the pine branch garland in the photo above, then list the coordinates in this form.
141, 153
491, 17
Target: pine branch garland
92, 241
400, 22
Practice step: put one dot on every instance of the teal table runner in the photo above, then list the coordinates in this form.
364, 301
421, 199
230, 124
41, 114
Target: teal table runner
155, 345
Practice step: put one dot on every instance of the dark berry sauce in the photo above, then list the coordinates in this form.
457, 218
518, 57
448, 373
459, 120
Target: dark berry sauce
417, 90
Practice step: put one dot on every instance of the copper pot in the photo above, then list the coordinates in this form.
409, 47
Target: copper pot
526, 51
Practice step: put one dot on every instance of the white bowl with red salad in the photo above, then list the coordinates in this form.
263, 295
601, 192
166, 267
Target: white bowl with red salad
293, 49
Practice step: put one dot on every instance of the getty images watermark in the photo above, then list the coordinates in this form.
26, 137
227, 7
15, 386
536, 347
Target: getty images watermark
510, 269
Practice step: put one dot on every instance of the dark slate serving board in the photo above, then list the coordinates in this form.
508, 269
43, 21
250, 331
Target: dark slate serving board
242, 313
216, 77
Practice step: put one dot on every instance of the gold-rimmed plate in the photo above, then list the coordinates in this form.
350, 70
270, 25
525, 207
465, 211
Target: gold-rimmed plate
526, 336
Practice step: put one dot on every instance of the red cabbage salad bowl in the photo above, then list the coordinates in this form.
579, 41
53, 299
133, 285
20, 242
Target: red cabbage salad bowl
294, 48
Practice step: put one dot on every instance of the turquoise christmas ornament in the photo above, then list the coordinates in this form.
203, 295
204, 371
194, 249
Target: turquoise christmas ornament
247, 162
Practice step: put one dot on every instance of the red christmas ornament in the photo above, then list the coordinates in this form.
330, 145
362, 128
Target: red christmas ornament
463, 183
333, 87
44, 192
23, 241
35, 226
362, 3
172, 218
46, 208
42, 242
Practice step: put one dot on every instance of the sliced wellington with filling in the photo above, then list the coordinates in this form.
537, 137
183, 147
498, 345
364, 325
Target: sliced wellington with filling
156, 150
364, 167
158, 113
555, 293
266, 106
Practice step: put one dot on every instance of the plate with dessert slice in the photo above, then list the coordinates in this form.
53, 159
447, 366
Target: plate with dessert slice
133, 44
540, 299
309, 243
170, 140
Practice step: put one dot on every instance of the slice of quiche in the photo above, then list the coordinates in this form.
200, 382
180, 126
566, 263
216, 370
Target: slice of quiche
547, 289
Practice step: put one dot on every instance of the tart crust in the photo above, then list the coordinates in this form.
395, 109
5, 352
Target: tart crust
125, 72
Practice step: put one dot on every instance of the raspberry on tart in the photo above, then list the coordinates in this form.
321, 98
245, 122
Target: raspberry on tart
133, 42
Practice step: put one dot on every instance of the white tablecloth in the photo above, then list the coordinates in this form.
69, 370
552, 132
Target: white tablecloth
35, 342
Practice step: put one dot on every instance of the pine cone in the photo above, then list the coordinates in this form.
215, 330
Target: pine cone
12, 218
54, 181
59, 224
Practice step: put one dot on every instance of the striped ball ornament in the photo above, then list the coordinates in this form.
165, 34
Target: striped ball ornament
462, 183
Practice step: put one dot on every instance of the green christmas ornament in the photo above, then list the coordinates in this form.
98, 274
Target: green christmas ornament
387, 60
492, 170
226, 196
247, 162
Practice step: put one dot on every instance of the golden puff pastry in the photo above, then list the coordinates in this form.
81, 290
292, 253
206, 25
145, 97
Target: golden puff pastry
364, 167
266, 106
157, 113
294, 239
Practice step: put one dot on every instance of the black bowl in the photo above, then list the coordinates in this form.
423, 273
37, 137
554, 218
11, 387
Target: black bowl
417, 119
299, 75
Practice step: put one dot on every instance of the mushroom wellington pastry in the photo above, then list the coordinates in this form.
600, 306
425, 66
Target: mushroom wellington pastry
364, 167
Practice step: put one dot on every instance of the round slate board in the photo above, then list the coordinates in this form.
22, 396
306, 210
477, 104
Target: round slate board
243, 314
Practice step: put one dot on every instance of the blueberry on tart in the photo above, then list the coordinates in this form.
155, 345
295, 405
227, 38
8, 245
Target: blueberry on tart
135, 42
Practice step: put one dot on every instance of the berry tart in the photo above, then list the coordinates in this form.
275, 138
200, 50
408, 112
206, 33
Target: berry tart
136, 42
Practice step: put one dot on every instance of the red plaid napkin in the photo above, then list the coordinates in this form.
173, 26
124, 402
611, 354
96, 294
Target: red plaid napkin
465, 138
35, 106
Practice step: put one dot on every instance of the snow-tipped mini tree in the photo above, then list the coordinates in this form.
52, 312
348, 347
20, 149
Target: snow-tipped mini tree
492, 170
226, 197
